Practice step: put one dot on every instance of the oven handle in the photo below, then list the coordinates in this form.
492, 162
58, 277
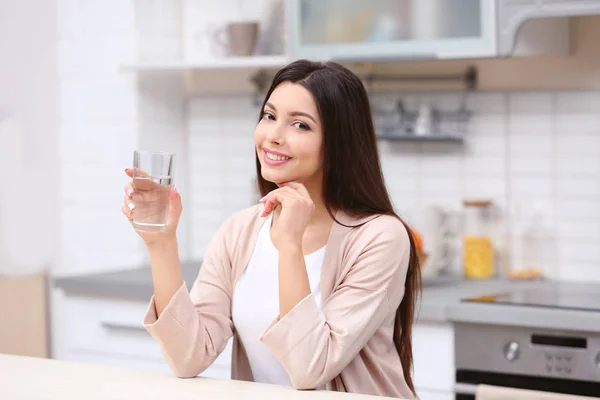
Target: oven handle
465, 388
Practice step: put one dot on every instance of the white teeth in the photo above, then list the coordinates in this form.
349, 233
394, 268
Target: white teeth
276, 157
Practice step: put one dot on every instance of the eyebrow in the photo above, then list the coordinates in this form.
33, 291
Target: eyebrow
293, 113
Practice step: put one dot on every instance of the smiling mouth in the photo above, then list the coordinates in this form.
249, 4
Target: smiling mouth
274, 159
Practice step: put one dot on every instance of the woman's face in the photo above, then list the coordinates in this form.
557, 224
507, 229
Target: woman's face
289, 137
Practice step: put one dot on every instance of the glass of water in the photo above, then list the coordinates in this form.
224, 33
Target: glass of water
152, 180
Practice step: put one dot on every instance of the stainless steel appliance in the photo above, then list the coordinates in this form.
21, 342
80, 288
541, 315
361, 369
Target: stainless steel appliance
566, 361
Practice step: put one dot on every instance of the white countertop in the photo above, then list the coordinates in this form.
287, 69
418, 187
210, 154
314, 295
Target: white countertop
38, 378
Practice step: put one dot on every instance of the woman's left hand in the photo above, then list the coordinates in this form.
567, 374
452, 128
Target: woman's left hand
297, 209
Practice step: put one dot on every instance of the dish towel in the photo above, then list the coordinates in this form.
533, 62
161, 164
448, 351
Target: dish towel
487, 392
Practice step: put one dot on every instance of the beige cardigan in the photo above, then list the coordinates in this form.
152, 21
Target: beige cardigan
347, 344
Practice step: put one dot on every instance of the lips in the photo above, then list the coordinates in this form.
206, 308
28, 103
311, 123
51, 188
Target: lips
275, 158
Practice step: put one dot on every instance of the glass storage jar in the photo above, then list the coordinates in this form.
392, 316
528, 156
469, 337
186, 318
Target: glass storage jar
478, 246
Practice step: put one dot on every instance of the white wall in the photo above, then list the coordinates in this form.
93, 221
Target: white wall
521, 147
98, 133
29, 184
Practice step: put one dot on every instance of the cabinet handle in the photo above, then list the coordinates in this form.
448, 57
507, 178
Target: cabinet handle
465, 388
122, 327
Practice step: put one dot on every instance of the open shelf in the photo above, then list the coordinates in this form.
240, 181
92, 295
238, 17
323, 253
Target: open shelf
253, 62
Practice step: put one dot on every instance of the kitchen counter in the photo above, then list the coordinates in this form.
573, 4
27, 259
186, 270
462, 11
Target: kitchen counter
440, 300
444, 303
39, 378
127, 284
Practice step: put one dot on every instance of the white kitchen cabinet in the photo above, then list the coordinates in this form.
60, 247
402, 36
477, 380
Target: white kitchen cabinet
392, 30
433, 357
433, 395
110, 332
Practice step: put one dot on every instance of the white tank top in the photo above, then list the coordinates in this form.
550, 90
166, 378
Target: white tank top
256, 304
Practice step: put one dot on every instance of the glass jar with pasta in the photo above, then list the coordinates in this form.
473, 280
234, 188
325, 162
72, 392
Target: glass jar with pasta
478, 246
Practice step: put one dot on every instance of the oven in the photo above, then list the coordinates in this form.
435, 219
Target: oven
566, 362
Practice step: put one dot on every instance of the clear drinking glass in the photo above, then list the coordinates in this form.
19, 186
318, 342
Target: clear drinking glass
152, 180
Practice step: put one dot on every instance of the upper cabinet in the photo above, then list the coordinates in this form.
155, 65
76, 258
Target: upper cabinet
389, 30
359, 30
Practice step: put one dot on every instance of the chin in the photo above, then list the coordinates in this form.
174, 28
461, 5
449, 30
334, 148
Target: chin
276, 178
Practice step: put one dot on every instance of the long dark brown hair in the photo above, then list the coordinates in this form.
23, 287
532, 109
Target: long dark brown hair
352, 176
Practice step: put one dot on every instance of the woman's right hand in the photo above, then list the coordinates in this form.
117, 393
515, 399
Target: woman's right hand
175, 208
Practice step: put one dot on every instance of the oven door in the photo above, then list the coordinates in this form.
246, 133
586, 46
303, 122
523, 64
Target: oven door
467, 381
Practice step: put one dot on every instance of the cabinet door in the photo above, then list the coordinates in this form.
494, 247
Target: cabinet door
433, 353
355, 30
432, 395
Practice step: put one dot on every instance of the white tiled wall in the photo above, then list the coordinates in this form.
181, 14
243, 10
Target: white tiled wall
520, 148
98, 131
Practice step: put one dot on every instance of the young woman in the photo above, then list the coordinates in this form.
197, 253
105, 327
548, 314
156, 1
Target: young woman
317, 283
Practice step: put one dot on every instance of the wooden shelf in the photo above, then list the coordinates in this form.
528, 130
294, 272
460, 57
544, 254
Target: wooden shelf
229, 63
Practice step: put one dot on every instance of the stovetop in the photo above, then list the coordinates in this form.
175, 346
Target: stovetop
559, 297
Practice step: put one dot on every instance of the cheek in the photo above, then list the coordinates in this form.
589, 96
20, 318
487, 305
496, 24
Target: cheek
259, 135
311, 151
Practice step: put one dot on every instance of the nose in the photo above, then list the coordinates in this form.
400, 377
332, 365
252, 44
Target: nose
275, 134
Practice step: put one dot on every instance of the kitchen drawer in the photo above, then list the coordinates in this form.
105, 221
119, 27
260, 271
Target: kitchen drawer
216, 370
110, 329
112, 360
433, 395
109, 326
433, 352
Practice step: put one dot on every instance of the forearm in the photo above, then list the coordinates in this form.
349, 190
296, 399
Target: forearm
167, 277
293, 279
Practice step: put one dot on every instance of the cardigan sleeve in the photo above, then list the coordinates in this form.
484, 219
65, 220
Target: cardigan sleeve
195, 326
314, 345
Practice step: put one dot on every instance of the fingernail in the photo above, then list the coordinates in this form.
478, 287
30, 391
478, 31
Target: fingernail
175, 189
130, 206
129, 192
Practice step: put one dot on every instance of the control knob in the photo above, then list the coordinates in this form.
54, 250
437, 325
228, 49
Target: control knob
511, 351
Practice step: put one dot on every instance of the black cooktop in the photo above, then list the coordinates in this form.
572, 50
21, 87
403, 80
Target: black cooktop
574, 297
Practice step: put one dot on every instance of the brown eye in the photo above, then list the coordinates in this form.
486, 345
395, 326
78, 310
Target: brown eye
301, 126
268, 115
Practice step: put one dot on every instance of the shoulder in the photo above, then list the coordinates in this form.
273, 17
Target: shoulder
244, 218
375, 252
236, 230
240, 223
378, 228
379, 240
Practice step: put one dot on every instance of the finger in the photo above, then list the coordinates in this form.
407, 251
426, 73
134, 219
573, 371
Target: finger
298, 187
128, 189
127, 212
270, 203
175, 208
270, 200
277, 197
131, 172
